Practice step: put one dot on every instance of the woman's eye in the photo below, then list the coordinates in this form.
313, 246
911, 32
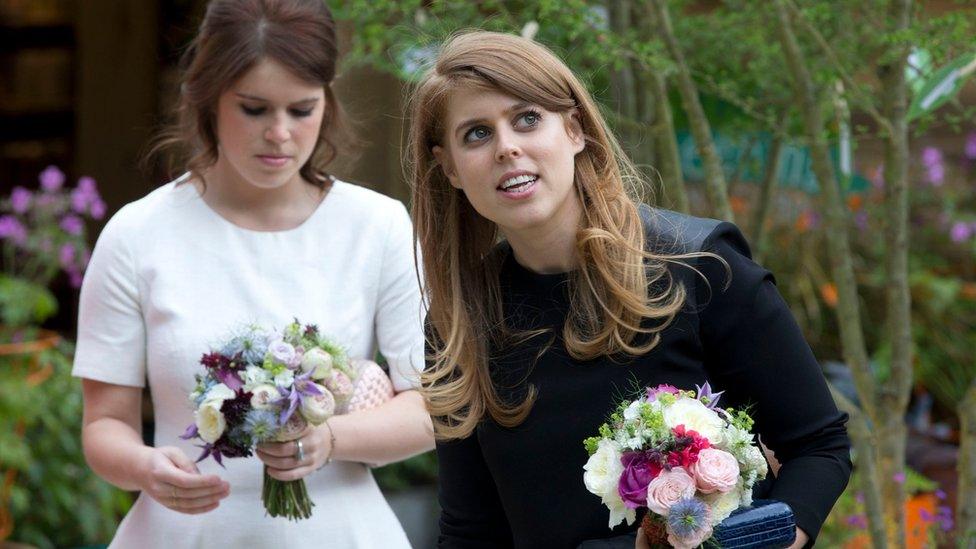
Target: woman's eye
529, 119
476, 134
301, 113
252, 111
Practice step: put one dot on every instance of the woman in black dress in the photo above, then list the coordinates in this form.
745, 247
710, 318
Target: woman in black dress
553, 294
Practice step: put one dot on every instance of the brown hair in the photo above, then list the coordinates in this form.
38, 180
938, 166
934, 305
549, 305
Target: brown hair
610, 295
233, 37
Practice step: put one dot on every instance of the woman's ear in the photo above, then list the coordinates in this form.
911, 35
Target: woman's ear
575, 130
447, 165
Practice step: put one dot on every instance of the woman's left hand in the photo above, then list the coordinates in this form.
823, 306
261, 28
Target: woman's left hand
282, 458
801, 539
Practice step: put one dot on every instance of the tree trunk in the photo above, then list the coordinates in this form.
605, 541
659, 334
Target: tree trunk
865, 460
766, 197
896, 390
966, 496
838, 245
666, 144
715, 184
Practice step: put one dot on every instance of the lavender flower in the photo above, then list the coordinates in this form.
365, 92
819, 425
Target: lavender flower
931, 156
51, 179
899, 478
936, 173
857, 521
66, 256
97, 210
20, 199
970, 149
960, 232
12, 228
707, 397
877, 178
72, 224
282, 352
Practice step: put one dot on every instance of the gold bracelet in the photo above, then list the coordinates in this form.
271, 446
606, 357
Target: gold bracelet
332, 441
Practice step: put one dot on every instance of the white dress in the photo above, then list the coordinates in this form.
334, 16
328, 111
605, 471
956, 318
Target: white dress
169, 277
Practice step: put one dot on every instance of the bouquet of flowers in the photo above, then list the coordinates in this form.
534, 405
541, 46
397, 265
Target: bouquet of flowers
262, 386
675, 453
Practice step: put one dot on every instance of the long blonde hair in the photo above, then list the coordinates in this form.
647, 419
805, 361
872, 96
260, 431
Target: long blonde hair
611, 301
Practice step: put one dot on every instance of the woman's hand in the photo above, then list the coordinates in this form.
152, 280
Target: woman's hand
641, 541
282, 458
172, 479
801, 539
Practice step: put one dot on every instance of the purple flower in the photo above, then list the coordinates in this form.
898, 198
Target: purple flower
707, 397
97, 208
970, 149
67, 255
861, 220
944, 516
282, 352
925, 515
877, 178
857, 521
20, 199
931, 156
301, 388
940, 495
662, 388
960, 232
51, 179
87, 185
12, 228
936, 173
72, 224
75, 278
898, 478
638, 473
79, 201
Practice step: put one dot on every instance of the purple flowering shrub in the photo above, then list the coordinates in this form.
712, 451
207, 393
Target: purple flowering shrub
42, 235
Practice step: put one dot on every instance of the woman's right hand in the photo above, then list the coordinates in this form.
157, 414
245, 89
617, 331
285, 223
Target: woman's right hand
172, 479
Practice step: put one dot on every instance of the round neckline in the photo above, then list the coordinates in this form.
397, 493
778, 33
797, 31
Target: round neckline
523, 272
184, 180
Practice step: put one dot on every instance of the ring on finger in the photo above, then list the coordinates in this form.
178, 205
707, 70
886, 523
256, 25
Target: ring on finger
299, 451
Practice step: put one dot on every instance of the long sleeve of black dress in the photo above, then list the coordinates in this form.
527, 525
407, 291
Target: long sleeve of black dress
523, 487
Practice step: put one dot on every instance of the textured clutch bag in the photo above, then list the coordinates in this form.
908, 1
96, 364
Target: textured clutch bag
767, 523
371, 387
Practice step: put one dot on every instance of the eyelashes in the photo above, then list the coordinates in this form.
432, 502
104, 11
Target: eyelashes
526, 120
258, 111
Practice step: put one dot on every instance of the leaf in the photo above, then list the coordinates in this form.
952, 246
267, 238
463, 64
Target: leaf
942, 86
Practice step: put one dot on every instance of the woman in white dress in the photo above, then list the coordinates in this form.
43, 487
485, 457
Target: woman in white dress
256, 231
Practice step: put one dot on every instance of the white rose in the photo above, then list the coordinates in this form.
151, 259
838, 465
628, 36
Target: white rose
220, 392
318, 408
210, 421
723, 503
318, 362
285, 378
697, 417
602, 473
254, 376
263, 396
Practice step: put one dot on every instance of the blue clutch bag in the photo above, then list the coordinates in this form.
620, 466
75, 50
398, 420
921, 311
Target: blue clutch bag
766, 524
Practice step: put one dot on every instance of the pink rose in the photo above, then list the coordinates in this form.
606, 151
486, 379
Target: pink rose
715, 471
669, 488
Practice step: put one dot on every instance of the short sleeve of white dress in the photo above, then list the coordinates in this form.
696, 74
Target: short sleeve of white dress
111, 332
398, 308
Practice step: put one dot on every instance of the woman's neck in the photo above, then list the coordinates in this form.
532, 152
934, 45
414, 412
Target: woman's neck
549, 248
261, 209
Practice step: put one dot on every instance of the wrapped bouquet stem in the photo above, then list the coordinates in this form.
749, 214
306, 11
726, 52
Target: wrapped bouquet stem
269, 386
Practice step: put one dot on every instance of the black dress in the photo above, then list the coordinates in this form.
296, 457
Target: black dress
523, 487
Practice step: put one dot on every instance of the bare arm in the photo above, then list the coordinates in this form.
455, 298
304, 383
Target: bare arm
391, 432
112, 440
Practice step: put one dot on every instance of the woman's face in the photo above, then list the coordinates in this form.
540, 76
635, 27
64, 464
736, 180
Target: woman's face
514, 161
268, 123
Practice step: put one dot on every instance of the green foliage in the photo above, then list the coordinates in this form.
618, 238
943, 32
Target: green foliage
57, 501
24, 303
416, 471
